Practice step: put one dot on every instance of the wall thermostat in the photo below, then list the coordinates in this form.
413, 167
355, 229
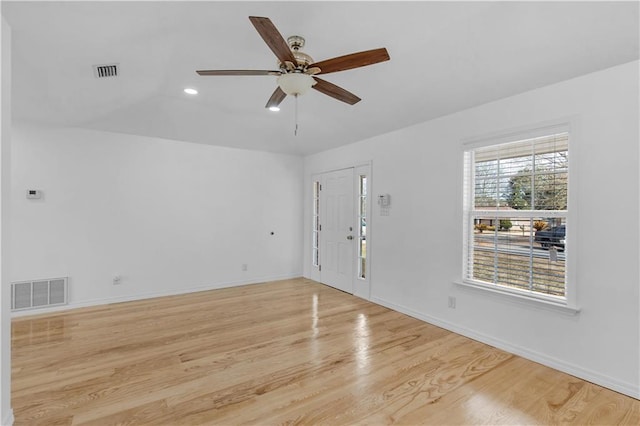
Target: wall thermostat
34, 194
384, 200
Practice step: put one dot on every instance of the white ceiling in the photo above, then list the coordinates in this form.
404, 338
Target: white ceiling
445, 57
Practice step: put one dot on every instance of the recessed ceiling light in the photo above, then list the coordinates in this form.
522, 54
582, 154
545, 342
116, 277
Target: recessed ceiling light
190, 91
274, 108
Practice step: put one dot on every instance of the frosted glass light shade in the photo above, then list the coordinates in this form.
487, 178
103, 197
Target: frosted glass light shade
295, 83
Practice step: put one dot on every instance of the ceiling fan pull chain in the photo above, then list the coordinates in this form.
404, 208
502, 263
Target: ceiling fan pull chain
295, 131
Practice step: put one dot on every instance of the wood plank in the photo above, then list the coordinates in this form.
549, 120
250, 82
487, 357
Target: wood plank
285, 352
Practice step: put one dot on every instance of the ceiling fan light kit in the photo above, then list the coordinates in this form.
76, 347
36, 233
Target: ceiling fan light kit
297, 70
295, 83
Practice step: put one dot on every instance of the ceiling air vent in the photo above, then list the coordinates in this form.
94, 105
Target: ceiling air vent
102, 71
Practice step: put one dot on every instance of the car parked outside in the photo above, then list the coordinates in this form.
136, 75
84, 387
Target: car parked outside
555, 236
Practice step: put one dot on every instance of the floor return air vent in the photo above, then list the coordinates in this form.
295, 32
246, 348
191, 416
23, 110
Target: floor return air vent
38, 293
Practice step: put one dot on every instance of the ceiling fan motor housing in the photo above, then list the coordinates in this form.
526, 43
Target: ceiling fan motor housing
303, 60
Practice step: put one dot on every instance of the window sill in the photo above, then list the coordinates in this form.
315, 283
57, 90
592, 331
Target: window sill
522, 298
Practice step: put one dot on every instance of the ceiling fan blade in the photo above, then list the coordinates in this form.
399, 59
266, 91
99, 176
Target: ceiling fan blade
275, 99
238, 72
334, 91
273, 38
354, 60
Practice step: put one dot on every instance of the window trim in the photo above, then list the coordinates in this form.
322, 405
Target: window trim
514, 294
568, 304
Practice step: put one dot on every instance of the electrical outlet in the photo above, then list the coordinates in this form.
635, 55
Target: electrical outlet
117, 279
245, 266
452, 302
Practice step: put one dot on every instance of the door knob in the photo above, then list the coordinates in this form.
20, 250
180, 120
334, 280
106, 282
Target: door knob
350, 237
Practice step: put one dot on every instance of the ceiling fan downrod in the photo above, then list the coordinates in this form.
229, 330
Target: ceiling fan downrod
295, 42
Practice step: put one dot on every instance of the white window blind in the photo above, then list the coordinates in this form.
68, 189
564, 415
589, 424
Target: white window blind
515, 215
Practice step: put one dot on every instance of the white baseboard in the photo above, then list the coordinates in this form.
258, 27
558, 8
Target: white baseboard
8, 419
566, 367
130, 298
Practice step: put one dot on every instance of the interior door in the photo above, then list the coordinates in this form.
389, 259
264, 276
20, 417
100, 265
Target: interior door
337, 233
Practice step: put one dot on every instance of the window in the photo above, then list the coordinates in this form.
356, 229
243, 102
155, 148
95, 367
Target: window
515, 216
316, 224
362, 226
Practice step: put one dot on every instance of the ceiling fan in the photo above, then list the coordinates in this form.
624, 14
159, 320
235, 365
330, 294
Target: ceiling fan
297, 71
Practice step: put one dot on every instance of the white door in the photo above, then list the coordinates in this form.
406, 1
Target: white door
337, 230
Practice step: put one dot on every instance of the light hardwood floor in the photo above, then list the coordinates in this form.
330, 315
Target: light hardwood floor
288, 352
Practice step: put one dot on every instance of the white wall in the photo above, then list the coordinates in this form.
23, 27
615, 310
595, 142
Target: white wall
167, 216
6, 414
172, 217
416, 251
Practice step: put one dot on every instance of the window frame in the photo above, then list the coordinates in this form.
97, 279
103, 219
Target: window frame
568, 303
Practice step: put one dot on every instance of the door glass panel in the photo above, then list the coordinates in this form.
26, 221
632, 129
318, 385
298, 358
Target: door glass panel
362, 227
315, 251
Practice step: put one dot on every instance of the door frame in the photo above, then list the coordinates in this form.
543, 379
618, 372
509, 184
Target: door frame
361, 287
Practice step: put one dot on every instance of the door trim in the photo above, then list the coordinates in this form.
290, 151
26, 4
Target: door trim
361, 287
